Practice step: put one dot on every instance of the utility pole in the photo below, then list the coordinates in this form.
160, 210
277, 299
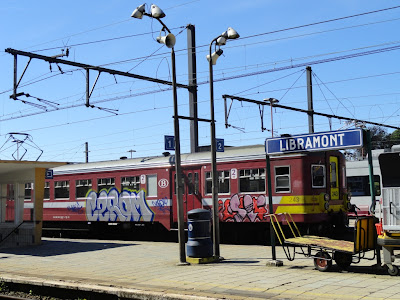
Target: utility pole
310, 101
192, 71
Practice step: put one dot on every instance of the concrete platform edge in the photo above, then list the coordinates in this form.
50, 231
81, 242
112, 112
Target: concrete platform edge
111, 290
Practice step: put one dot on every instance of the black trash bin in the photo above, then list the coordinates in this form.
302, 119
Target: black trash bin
199, 241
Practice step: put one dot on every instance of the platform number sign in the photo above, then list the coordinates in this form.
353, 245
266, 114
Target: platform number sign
219, 145
169, 142
49, 174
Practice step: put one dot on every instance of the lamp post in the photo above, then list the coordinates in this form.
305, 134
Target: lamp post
169, 40
272, 101
274, 261
212, 60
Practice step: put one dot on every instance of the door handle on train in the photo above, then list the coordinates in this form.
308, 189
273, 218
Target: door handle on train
390, 207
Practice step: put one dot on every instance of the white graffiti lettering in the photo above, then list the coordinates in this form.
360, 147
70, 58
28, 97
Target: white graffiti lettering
113, 206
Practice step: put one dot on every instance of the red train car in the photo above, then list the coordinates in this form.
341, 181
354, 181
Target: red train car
310, 186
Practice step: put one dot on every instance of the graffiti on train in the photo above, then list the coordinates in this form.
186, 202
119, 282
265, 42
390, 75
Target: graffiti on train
111, 206
162, 204
76, 208
246, 208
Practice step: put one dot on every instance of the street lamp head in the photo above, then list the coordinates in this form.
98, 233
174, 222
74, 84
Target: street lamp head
221, 41
168, 40
138, 12
215, 56
156, 12
230, 34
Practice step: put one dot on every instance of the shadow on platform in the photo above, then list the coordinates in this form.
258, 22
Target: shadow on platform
53, 248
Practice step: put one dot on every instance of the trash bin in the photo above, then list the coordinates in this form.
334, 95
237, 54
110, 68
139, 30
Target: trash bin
199, 241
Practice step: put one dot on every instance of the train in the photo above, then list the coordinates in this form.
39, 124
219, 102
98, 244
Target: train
358, 183
125, 193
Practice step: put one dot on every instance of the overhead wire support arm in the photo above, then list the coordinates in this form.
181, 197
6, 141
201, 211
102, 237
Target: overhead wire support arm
84, 66
260, 108
306, 111
89, 94
227, 112
16, 84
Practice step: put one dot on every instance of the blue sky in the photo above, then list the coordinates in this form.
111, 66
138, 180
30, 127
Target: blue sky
103, 34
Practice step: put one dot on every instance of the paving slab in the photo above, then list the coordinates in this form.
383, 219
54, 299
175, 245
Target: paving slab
149, 270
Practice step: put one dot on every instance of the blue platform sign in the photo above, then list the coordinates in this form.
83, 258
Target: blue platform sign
321, 141
219, 143
169, 142
49, 174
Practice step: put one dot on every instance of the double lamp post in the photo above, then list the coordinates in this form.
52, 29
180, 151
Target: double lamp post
169, 40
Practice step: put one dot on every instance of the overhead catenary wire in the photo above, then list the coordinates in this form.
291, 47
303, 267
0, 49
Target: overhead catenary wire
242, 38
152, 92
258, 65
110, 100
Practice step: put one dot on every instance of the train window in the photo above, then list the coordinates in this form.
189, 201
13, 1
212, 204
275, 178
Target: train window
46, 190
105, 183
130, 183
318, 176
190, 183
152, 185
223, 182
252, 180
61, 189
82, 187
196, 183
333, 175
359, 185
193, 183
282, 179
28, 191
183, 183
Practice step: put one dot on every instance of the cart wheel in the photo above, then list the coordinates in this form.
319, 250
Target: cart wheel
322, 261
343, 260
393, 272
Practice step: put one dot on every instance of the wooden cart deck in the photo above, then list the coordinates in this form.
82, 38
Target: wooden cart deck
323, 242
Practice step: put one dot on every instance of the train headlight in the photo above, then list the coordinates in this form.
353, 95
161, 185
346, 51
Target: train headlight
327, 197
326, 205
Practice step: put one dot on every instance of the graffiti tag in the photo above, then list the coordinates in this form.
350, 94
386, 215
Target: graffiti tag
245, 208
76, 208
111, 206
162, 204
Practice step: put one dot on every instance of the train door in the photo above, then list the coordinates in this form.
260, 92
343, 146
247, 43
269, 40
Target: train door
334, 177
191, 191
191, 196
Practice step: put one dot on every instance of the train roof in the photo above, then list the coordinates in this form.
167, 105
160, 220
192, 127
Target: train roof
360, 167
241, 153
238, 153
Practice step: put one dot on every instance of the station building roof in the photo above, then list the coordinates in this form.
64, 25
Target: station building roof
23, 171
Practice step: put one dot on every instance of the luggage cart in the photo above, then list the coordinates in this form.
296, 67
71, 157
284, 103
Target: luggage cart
322, 249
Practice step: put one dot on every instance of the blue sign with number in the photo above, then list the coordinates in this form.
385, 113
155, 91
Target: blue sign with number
322, 141
49, 174
169, 142
219, 143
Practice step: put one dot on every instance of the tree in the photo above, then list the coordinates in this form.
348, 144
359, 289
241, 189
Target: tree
395, 137
380, 139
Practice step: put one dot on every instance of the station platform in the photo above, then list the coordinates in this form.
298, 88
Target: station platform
149, 270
